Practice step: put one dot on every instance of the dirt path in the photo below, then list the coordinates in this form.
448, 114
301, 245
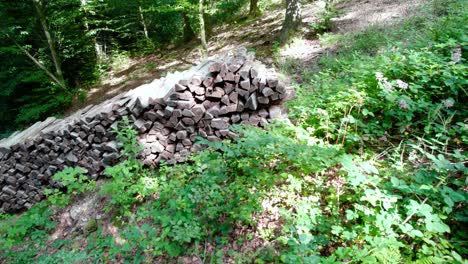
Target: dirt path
354, 16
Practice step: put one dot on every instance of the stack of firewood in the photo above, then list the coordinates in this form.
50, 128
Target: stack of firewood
168, 114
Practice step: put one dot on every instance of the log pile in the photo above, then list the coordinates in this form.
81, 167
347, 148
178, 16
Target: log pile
168, 114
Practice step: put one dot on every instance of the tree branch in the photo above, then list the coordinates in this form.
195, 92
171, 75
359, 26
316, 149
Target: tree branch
38, 63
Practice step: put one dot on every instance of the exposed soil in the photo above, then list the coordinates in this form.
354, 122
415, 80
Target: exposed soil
255, 34
353, 16
258, 35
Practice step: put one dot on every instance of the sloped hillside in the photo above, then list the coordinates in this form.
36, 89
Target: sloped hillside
369, 167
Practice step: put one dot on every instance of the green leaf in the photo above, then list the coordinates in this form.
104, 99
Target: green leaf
437, 226
369, 168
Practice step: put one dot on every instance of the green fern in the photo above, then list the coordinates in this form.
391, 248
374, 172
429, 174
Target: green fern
388, 255
425, 260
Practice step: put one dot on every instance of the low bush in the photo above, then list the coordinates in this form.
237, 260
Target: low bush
21, 237
74, 181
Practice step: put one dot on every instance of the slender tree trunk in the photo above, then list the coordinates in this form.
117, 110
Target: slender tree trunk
99, 54
291, 20
202, 29
50, 42
254, 10
188, 31
142, 19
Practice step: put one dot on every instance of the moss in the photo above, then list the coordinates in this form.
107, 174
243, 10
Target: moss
91, 226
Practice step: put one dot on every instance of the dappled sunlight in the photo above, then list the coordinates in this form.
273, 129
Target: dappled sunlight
79, 217
169, 65
302, 49
354, 17
111, 81
63, 227
359, 157
378, 12
114, 232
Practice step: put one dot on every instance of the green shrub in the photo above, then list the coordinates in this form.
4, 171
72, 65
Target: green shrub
21, 237
324, 22
203, 200
406, 203
130, 181
74, 181
410, 90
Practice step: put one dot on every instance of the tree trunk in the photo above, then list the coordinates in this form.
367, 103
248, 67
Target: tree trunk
188, 31
142, 19
97, 48
254, 10
202, 29
50, 42
40, 65
291, 20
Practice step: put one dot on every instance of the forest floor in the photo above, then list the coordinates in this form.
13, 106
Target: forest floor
258, 35
316, 189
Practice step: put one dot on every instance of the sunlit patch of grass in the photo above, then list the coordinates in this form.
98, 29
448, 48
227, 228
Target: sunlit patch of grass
330, 39
120, 60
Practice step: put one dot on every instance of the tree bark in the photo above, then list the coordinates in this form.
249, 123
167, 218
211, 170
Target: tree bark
142, 20
50, 42
291, 20
254, 10
202, 29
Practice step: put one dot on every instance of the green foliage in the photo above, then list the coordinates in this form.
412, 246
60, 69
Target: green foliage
371, 170
228, 11
410, 90
63, 256
205, 199
406, 103
130, 181
364, 214
28, 93
276, 49
410, 205
22, 236
324, 21
88, 37
74, 181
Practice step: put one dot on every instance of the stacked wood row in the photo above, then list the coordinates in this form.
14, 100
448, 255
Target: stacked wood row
168, 114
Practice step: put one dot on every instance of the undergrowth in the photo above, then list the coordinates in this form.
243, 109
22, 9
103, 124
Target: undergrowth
371, 170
